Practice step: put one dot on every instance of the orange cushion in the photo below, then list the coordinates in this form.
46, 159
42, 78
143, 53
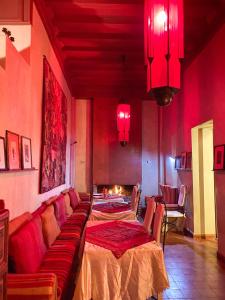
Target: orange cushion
69, 209
50, 226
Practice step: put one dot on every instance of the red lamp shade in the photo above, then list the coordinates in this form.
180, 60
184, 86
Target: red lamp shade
123, 123
163, 47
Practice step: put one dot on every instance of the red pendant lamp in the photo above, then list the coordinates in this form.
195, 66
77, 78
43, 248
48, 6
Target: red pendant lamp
163, 47
123, 123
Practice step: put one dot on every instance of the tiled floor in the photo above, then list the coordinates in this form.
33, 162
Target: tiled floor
193, 269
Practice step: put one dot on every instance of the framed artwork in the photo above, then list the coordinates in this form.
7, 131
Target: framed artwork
178, 162
183, 160
26, 153
219, 157
13, 150
189, 160
2, 154
54, 132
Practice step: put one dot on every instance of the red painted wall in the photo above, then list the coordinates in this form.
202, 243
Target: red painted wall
112, 163
202, 99
21, 112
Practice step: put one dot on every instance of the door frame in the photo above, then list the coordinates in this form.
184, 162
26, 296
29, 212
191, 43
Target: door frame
198, 181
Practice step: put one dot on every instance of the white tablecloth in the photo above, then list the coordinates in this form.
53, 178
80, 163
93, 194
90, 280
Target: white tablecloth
124, 215
138, 274
107, 200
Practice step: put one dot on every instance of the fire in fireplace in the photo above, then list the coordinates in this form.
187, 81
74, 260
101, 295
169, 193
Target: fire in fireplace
123, 190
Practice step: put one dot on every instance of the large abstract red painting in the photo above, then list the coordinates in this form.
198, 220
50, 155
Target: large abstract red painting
53, 160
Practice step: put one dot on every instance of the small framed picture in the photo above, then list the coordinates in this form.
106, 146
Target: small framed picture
183, 160
26, 153
12, 150
178, 162
2, 154
189, 160
219, 157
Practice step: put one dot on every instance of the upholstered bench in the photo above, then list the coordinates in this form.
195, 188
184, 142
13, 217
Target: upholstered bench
44, 248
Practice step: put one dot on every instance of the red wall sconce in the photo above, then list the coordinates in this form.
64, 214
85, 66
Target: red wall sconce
123, 123
163, 47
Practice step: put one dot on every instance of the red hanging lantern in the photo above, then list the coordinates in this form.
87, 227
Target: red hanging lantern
123, 123
163, 47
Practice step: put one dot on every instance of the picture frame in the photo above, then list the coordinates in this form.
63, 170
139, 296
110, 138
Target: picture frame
54, 132
2, 154
177, 162
26, 153
219, 157
183, 160
189, 160
13, 150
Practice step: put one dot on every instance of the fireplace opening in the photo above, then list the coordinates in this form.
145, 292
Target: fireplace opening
123, 190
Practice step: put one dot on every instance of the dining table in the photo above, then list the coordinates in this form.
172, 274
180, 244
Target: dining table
101, 198
112, 211
121, 261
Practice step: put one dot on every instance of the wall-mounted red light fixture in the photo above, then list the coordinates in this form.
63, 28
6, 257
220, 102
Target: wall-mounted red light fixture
163, 47
123, 123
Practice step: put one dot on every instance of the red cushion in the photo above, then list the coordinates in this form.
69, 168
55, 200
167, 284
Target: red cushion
60, 210
27, 247
74, 201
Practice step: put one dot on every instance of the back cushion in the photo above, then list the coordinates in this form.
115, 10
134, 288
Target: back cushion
74, 200
27, 247
16, 223
60, 210
69, 209
50, 226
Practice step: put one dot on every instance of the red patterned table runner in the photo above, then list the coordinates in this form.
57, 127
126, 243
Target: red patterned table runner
117, 236
112, 207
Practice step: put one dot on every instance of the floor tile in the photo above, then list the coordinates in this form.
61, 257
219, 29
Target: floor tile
193, 269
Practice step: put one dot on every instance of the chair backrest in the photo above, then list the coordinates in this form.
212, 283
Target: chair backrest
151, 205
158, 219
182, 195
134, 198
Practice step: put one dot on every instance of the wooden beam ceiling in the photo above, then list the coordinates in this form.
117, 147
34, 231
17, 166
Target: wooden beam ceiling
99, 43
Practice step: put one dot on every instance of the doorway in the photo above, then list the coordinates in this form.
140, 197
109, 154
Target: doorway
203, 181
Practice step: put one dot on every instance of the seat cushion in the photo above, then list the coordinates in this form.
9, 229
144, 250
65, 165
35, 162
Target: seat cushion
71, 232
59, 260
174, 214
72, 245
83, 210
75, 222
60, 210
50, 226
81, 215
84, 205
27, 247
85, 197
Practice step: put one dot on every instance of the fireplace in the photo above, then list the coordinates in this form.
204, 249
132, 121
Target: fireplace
121, 189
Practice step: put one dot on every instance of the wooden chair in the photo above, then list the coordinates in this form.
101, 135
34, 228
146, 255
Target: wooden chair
176, 212
158, 221
135, 198
151, 206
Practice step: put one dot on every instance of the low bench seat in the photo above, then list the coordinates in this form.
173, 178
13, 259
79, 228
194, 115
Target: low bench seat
45, 247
